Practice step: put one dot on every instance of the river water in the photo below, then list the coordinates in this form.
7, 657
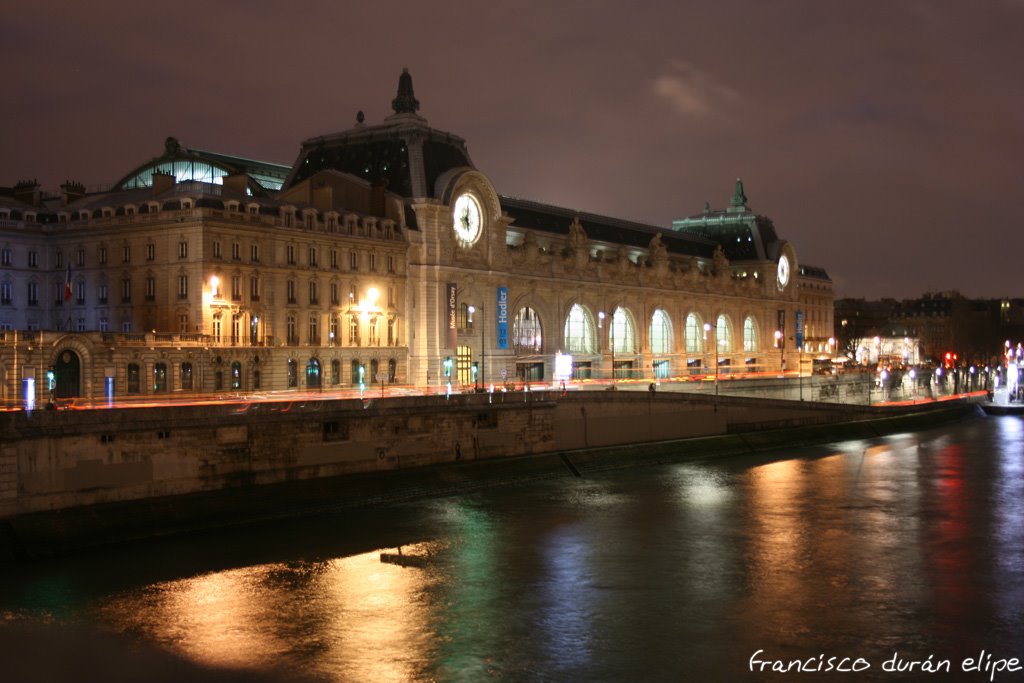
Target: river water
908, 546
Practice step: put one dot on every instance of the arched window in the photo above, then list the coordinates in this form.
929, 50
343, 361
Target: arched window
374, 369
159, 378
293, 373
694, 334
356, 374
186, 376
236, 376
527, 336
133, 378
749, 335
579, 331
335, 371
661, 332
723, 334
392, 370
622, 333
313, 373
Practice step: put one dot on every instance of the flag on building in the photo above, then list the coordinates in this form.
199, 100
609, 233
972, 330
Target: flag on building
67, 284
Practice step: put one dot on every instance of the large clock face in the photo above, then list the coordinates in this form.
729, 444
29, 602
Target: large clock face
783, 271
467, 219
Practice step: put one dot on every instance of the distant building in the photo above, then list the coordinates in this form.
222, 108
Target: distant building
381, 255
974, 330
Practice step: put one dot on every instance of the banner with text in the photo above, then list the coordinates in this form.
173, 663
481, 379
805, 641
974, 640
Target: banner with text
450, 303
502, 317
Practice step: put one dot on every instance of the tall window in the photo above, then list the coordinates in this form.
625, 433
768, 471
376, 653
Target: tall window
183, 249
290, 254
183, 286
126, 290
236, 287
33, 294
749, 335
150, 288
293, 373
254, 288
186, 376
291, 291
313, 373
661, 332
527, 336
723, 335
151, 251
126, 254
314, 330
183, 323
133, 378
335, 371
372, 331
159, 378
694, 334
313, 294
622, 335
292, 337
353, 330
579, 331
216, 327
312, 257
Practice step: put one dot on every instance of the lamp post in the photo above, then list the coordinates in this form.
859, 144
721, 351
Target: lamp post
707, 328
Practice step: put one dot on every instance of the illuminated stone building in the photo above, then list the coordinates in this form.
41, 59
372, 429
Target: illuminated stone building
380, 255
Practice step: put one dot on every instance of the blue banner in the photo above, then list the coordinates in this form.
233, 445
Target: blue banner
502, 317
800, 329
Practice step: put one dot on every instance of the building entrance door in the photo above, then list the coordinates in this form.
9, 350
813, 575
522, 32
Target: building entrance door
67, 371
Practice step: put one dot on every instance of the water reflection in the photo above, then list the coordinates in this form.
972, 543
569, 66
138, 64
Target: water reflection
912, 543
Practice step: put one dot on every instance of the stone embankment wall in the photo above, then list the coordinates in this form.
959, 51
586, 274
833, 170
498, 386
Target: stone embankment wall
240, 461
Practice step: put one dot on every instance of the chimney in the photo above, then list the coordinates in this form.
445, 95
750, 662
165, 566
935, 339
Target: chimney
73, 191
162, 182
27, 192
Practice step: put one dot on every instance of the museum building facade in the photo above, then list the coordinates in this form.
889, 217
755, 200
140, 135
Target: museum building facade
381, 257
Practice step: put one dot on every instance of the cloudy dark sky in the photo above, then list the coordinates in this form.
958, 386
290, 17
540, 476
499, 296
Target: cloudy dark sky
884, 138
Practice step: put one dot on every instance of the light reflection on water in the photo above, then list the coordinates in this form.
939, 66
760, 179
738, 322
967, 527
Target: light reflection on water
912, 543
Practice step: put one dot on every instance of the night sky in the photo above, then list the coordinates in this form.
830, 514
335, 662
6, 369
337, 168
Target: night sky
883, 138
